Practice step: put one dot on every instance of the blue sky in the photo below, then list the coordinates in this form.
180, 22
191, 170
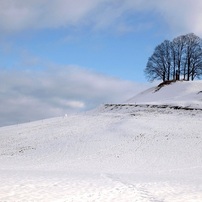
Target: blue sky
123, 55
64, 56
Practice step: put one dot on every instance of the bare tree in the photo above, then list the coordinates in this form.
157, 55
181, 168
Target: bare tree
160, 63
181, 58
196, 64
178, 45
192, 57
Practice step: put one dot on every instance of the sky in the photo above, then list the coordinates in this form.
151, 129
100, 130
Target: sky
65, 56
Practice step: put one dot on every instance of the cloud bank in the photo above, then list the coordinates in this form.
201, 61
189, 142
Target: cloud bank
180, 15
28, 95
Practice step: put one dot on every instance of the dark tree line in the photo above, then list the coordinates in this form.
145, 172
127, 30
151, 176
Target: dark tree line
176, 60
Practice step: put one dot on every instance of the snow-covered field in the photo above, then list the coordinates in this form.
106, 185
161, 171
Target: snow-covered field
120, 154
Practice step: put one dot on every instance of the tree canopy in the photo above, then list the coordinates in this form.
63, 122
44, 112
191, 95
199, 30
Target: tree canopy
178, 59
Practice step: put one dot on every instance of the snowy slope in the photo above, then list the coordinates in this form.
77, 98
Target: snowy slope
139, 156
115, 153
181, 93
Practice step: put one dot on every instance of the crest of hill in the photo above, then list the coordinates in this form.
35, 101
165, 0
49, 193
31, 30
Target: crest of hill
180, 93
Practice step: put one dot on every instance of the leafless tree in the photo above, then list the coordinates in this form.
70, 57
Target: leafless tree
179, 59
178, 46
193, 55
159, 64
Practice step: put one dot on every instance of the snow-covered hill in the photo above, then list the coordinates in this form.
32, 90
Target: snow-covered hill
128, 153
181, 93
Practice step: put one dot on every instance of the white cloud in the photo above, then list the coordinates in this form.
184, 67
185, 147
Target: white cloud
31, 95
23, 14
181, 15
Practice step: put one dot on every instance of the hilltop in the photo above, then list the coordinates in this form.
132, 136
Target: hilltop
180, 93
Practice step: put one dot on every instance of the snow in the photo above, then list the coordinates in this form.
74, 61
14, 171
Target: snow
114, 153
181, 93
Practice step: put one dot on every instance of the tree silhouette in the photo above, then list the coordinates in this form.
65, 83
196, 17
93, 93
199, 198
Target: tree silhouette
177, 59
